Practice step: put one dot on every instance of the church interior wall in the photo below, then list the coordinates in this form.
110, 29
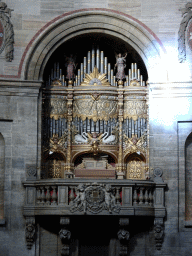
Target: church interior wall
170, 122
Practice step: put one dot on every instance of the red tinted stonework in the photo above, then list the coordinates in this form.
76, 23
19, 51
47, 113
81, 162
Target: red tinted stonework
68, 14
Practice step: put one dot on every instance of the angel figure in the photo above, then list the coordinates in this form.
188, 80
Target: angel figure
120, 64
71, 66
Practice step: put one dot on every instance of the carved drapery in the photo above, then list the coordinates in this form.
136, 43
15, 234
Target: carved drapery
187, 15
95, 107
56, 107
8, 37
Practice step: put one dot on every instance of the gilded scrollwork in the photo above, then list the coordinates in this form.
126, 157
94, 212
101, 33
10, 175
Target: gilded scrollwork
56, 108
95, 108
135, 109
134, 144
56, 82
56, 144
136, 169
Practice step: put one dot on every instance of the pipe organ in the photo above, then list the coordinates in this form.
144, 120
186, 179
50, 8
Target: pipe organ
93, 118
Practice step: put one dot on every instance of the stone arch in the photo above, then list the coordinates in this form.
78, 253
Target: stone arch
188, 178
114, 23
2, 175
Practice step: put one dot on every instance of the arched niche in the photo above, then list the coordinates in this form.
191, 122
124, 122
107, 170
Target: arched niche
188, 178
53, 165
2, 175
135, 166
101, 21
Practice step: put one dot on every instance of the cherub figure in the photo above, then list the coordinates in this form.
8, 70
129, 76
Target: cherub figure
120, 64
80, 198
109, 198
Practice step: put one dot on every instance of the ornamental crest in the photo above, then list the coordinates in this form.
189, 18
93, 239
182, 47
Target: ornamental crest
94, 198
95, 78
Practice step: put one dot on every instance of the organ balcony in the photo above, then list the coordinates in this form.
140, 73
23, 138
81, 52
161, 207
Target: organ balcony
95, 146
128, 197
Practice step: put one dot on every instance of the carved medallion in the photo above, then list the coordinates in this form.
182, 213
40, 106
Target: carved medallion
95, 199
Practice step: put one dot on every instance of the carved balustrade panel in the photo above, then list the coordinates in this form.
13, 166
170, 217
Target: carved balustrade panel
95, 198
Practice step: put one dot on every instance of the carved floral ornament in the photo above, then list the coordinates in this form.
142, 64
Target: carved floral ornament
6, 32
96, 107
56, 107
135, 109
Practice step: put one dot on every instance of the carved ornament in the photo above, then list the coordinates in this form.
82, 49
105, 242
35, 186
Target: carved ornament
54, 169
95, 79
123, 234
94, 198
187, 15
57, 143
56, 108
158, 232
31, 171
30, 231
56, 82
135, 169
95, 107
135, 109
134, 83
6, 32
134, 144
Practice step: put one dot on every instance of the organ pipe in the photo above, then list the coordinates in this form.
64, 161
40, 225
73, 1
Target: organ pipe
97, 58
81, 74
109, 68
105, 68
112, 80
93, 59
78, 78
88, 62
85, 66
102, 64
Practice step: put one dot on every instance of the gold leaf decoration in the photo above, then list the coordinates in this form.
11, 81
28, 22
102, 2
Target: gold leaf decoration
95, 78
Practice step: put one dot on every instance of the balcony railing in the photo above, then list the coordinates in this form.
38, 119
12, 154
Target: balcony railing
59, 197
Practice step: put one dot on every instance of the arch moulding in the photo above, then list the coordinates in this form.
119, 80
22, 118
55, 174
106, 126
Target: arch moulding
103, 21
